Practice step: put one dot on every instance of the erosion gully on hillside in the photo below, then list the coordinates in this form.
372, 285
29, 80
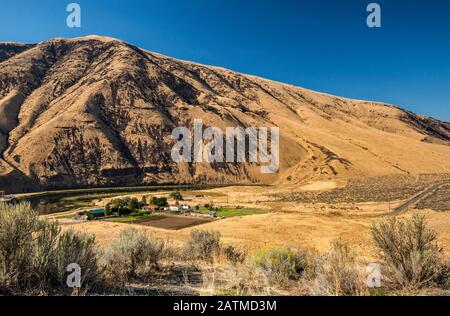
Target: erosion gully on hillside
96, 112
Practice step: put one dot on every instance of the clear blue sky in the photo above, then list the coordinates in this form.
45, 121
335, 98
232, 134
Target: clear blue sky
323, 45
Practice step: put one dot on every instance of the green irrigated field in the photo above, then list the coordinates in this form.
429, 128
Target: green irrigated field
234, 212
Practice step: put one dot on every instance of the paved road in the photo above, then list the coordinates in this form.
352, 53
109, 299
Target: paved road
419, 197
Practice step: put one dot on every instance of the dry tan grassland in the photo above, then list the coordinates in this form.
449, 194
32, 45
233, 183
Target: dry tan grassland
309, 216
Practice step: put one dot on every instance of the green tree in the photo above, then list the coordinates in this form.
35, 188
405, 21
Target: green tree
177, 196
108, 210
133, 204
152, 200
210, 207
161, 202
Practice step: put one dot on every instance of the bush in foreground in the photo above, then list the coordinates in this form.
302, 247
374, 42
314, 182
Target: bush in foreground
410, 254
278, 263
34, 254
338, 273
204, 244
243, 279
233, 255
74, 247
132, 251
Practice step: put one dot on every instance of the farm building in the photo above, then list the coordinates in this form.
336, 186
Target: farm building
152, 208
178, 208
96, 213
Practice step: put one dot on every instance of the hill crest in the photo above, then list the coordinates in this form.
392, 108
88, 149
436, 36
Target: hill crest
96, 111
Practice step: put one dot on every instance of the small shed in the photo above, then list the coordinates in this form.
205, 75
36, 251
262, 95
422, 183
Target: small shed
96, 213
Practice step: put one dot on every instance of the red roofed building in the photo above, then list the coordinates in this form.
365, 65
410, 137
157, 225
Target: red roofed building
151, 207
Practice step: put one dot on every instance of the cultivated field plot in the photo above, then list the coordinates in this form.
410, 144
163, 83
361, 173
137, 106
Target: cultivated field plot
172, 222
437, 201
375, 189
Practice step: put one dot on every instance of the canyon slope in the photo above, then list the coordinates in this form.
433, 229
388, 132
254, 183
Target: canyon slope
97, 112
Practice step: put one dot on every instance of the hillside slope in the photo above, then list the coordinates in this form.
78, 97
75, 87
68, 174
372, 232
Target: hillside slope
97, 111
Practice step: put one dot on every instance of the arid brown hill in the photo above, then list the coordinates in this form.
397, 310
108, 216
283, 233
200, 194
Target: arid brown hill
96, 111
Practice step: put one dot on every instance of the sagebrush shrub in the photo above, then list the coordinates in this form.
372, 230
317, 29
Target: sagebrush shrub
34, 254
233, 255
338, 273
279, 263
410, 254
244, 279
204, 244
132, 251
79, 248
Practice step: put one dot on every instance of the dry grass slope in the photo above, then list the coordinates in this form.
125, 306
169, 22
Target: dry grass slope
99, 112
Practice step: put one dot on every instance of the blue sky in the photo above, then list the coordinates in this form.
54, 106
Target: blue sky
324, 45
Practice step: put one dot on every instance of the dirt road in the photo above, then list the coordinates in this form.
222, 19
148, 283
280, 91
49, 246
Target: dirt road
416, 199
